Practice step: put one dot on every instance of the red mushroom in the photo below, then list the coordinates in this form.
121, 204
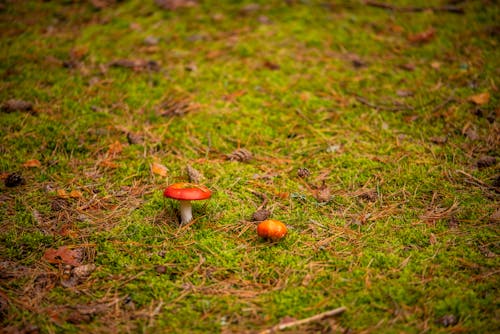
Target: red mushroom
186, 192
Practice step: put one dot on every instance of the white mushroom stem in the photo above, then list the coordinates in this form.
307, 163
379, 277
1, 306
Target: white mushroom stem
186, 211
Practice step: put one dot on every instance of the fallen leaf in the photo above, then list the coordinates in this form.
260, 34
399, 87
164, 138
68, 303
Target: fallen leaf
78, 52
75, 194
231, 97
439, 139
62, 193
270, 65
422, 37
63, 255
480, 99
175, 4
115, 148
436, 65
432, 239
32, 163
323, 194
159, 169
78, 275
134, 138
17, 105
108, 163
495, 217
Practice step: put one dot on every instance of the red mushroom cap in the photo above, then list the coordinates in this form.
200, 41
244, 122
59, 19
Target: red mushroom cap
187, 191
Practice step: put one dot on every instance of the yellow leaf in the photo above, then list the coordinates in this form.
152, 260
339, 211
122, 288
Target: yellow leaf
32, 163
62, 193
75, 194
159, 169
480, 99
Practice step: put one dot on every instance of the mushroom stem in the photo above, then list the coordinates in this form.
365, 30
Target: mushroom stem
186, 211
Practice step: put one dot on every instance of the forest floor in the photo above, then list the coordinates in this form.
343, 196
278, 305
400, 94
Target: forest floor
371, 130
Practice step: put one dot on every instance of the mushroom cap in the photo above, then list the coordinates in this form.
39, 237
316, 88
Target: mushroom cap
271, 229
187, 191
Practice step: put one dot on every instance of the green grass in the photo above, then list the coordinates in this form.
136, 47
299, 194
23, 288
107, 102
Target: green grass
281, 82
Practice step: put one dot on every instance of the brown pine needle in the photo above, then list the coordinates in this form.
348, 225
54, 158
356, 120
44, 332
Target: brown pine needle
316, 317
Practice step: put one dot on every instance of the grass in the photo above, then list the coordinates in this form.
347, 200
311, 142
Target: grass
404, 234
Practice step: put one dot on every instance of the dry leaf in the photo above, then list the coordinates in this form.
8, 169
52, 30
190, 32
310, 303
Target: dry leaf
115, 148
234, 95
432, 239
436, 65
159, 169
17, 105
32, 163
75, 194
423, 37
62, 255
480, 99
62, 193
495, 217
108, 163
175, 4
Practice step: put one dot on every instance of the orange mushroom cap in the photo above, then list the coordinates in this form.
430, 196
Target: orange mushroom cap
271, 229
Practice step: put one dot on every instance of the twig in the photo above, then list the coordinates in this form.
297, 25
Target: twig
316, 317
263, 197
382, 107
444, 103
383, 5
477, 182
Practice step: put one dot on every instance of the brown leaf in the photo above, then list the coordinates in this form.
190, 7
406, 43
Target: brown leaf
32, 163
159, 169
78, 52
137, 64
175, 4
471, 133
439, 139
75, 194
323, 194
62, 193
108, 164
432, 239
480, 99
17, 105
486, 161
134, 138
62, 255
270, 65
231, 97
115, 148
423, 37
495, 217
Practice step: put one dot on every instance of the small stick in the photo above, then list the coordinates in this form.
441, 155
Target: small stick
383, 5
381, 107
316, 317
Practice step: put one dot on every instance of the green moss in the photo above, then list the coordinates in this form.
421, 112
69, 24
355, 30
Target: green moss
301, 84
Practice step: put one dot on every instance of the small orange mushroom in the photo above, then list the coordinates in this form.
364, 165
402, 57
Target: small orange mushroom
271, 229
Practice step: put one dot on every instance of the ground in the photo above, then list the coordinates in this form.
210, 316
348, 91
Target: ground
370, 129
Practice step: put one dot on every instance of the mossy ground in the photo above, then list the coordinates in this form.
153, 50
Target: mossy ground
394, 222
